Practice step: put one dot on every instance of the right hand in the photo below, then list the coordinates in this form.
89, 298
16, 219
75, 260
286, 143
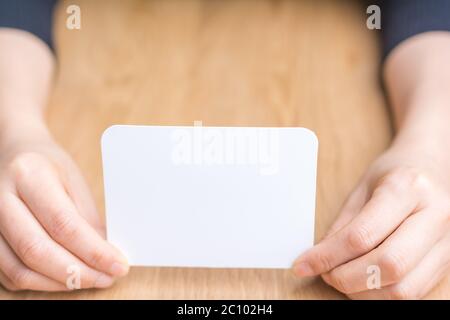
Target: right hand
49, 226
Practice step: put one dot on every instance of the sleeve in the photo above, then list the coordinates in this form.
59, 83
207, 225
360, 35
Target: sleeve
401, 19
34, 16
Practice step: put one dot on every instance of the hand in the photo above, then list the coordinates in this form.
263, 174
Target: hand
398, 220
48, 221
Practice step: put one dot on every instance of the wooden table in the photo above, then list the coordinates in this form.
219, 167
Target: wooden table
226, 63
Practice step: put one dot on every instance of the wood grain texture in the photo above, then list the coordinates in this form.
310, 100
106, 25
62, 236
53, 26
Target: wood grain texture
228, 63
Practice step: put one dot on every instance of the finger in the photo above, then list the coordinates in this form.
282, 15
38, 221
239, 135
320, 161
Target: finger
389, 205
58, 215
16, 276
351, 208
419, 281
6, 283
395, 257
38, 251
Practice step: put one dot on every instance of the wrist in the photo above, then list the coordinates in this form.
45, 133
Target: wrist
423, 148
16, 128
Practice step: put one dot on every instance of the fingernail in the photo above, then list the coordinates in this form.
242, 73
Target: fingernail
118, 269
303, 269
103, 281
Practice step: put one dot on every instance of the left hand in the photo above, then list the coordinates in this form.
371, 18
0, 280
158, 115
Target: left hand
397, 219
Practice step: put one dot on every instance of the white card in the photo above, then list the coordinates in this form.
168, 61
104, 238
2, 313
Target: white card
226, 197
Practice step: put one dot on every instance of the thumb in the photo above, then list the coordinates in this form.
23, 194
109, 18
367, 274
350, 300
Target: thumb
351, 208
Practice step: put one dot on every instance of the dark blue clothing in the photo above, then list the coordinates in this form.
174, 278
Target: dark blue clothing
400, 19
35, 16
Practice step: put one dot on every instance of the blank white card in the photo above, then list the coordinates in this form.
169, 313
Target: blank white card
226, 197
